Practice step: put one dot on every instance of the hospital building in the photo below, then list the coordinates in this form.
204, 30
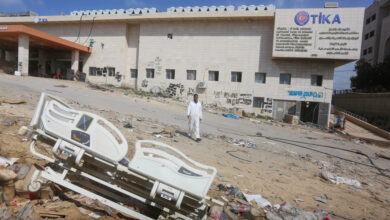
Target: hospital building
256, 58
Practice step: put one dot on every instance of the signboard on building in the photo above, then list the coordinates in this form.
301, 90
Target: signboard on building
325, 33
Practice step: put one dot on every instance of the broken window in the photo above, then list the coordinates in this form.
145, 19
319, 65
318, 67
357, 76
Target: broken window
316, 80
236, 76
370, 50
365, 52
285, 78
149, 73
134, 73
372, 33
373, 17
258, 102
170, 74
191, 74
368, 21
260, 77
111, 71
99, 71
92, 71
213, 75
366, 36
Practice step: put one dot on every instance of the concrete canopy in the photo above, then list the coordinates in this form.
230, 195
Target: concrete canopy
9, 37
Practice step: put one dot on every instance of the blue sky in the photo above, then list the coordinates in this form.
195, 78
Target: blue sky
56, 7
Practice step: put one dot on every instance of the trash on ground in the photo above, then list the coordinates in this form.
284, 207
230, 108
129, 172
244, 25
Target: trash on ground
128, 125
339, 180
320, 199
8, 101
230, 116
7, 161
262, 202
287, 211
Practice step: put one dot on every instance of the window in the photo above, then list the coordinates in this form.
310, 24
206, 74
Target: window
370, 50
111, 71
373, 17
372, 33
92, 71
365, 52
170, 74
285, 78
368, 21
260, 78
366, 36
149, 73
191, 74
134, 73
99, 71
236, 76
316, 80
213, 75
258, 102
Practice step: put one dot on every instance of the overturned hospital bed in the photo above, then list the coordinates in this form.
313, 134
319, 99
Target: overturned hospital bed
88, 156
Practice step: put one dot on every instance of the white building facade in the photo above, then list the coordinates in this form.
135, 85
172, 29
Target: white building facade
271, 62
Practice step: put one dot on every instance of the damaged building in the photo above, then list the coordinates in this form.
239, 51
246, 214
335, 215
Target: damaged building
259, 59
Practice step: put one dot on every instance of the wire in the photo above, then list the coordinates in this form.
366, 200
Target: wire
232, 151
78, 35
90, 30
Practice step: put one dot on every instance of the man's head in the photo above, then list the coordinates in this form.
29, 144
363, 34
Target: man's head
196, 98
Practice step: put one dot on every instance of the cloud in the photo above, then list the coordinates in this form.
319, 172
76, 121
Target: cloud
11, 5
134, 3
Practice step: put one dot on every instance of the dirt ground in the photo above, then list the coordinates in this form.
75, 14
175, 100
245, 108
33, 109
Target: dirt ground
278, 174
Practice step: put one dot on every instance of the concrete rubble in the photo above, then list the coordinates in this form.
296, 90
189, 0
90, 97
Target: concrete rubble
266, 178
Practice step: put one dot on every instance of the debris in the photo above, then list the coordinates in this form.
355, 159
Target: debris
259, 134
354, 189
158, 136
219, 174
230, 116
320, 199
3, 100
287, 211
60, 86
216, 211
128, 125
339, 180
7, 161
298, 200
229, 213
234, 191
20, 169
169, 130
224, 199
258, 199
240, 209
7, 175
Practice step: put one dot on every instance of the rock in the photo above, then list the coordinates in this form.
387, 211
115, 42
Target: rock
169, 131
7, 175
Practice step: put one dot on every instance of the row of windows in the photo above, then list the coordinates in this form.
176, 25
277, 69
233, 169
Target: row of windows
95, 71
285, 78
369, 35
370, 19
369, 50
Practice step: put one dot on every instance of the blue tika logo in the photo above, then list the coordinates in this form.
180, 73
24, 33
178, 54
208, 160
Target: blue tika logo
302, 18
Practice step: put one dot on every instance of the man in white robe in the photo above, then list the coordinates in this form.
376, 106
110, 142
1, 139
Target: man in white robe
194, 114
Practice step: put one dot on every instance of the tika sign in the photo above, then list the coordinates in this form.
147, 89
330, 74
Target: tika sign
302, 18
4, 28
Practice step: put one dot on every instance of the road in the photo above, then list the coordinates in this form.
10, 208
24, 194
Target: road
173, 114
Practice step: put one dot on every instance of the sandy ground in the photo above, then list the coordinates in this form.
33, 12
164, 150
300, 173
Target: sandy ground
276, 172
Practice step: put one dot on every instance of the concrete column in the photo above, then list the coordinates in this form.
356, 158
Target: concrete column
75, 61
2, 54
23, 51
42, 62
52, 66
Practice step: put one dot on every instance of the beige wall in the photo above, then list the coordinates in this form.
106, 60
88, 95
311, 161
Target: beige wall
112, 54
224, 46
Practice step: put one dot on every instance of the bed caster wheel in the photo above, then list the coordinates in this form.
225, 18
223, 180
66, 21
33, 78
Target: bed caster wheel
34, 186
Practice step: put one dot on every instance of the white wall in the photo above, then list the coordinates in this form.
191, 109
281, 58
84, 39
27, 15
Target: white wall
224, 46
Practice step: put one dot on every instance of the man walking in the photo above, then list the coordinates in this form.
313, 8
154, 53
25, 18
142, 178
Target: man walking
194, 114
